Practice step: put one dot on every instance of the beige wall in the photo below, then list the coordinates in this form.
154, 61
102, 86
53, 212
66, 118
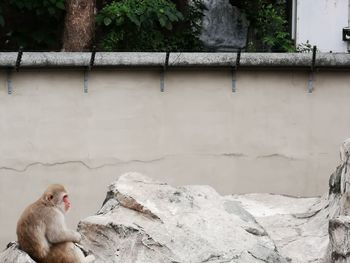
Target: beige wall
269, 136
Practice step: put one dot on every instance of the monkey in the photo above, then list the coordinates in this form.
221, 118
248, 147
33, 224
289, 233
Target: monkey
42, 232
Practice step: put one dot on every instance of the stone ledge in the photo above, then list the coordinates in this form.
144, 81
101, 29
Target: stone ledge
144, 59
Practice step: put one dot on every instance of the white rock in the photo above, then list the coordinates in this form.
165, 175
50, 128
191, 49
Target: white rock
14, 255
298, 226
155, 222
339, 209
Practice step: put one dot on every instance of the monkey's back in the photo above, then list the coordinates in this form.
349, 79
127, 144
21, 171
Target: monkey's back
31, 231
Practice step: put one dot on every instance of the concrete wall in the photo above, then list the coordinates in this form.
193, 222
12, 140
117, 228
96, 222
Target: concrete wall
321, 23
269, 136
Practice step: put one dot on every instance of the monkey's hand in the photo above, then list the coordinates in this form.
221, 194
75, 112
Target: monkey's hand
76, 237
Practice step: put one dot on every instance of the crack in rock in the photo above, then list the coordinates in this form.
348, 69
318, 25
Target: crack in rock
255, 231
306, 215
250, 253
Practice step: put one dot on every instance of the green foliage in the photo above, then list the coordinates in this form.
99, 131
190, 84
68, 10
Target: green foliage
149, 25
269, 25
40, 7
33, 24
138, 25
133, 25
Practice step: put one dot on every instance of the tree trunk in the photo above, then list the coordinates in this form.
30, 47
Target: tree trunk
79, 26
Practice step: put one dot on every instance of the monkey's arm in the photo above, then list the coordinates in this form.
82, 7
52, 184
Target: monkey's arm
57, 232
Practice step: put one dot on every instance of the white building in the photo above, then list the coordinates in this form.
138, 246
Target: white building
321, 23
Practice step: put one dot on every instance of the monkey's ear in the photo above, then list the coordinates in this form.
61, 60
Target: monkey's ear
49, 197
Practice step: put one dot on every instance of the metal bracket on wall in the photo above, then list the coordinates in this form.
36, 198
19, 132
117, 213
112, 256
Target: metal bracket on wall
162, 73
310, 85
19, 58
86, 81
234, 71
9, 71
89, 68
9, 81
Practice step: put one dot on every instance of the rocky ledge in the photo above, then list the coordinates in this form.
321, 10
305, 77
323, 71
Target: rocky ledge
143, 220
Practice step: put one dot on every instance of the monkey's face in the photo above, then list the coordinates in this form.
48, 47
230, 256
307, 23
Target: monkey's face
60, 200
66, 203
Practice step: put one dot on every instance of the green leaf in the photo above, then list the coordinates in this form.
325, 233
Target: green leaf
51, 10
171, 16
119, 21
60, 5
180, 16
162, 21
107, 21
134, 19
143, 18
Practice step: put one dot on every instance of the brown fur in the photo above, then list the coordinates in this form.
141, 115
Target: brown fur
65, 252
42, 232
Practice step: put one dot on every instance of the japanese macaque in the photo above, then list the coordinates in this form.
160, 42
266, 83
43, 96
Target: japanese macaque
42, 231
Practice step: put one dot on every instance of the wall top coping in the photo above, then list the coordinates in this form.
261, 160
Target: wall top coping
144, 59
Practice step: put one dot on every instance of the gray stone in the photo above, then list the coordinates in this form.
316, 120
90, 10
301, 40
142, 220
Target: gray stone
298, 226
339, 235
154, 222
13, 254
225, 27
339, 209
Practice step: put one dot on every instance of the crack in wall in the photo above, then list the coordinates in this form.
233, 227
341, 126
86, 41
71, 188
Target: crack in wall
233, 154
277, 155
119, 162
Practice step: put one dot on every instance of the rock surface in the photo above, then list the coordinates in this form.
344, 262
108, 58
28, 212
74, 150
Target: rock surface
298, 226
147, 221
143, 220
224, 28
339, 209
12, 254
